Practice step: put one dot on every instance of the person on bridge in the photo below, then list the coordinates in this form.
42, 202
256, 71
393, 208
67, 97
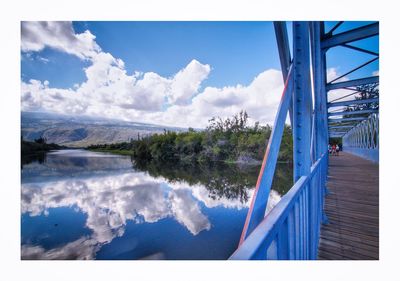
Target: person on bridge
337, 150
329, 148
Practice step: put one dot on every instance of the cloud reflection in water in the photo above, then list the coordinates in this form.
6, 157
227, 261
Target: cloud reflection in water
110, 201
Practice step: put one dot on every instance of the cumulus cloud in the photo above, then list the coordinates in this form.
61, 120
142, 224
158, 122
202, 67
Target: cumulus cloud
59, 35
187, 82
109, 91
260, 99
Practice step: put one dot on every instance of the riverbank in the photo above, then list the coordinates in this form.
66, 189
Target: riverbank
37, 147
113, 151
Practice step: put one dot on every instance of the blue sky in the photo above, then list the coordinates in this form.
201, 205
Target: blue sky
202, 69
237, 51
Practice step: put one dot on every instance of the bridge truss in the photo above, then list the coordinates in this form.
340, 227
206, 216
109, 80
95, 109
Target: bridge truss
319, 109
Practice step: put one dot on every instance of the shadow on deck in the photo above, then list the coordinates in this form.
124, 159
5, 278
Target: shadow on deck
352, 207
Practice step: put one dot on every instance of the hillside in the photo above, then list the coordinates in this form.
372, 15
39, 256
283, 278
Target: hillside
83, 131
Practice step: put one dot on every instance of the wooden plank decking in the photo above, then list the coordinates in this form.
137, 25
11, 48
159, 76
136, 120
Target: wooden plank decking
352, 207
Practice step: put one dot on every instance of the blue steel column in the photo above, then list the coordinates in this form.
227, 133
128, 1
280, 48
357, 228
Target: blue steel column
320, 142
302, 124
324, 123
302, 103
320, 110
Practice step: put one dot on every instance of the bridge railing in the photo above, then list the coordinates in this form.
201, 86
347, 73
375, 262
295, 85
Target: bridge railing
363, 139
291, 230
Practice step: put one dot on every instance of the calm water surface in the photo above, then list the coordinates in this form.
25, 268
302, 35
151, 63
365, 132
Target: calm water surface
77, 204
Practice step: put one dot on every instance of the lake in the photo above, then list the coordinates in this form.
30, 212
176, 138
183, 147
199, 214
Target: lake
77, 204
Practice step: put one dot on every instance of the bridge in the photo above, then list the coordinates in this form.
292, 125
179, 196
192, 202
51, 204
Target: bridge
332, 209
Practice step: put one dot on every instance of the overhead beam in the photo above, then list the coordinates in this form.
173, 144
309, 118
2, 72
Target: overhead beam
360, 50
340, 127
330, 32
354, 69
351, 102
352, 83
347, 119
351, 36
353, 112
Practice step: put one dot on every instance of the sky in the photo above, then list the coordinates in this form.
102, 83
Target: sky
168, 73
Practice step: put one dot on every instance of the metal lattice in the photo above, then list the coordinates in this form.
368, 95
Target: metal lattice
364, 135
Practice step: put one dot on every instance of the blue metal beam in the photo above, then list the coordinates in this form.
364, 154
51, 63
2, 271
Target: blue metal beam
351, 35
347, 119
320, 99
284, 54
352, 83
360, 50
330, 32
353, 112
354, 69
340, 128
283, 47
351, 102
302, 103
259, 201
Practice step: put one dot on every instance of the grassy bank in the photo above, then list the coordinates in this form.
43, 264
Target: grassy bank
113, 151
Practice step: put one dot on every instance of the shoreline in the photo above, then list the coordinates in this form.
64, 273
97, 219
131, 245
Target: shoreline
130, 153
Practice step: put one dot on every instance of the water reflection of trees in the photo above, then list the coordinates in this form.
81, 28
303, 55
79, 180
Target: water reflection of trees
221, 180
37, 157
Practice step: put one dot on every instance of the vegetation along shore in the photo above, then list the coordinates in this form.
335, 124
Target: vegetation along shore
231, 140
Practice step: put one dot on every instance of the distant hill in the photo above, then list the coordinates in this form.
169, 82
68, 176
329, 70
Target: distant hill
79, 131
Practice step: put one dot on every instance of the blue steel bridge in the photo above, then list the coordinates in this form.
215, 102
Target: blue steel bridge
332, 209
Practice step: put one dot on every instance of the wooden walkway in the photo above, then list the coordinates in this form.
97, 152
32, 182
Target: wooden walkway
352, 207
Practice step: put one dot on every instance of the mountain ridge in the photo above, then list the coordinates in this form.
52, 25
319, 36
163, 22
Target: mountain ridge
81, 131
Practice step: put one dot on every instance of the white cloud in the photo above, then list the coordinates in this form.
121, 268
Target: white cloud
260, 99
59, 35
187, 81
109, 91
